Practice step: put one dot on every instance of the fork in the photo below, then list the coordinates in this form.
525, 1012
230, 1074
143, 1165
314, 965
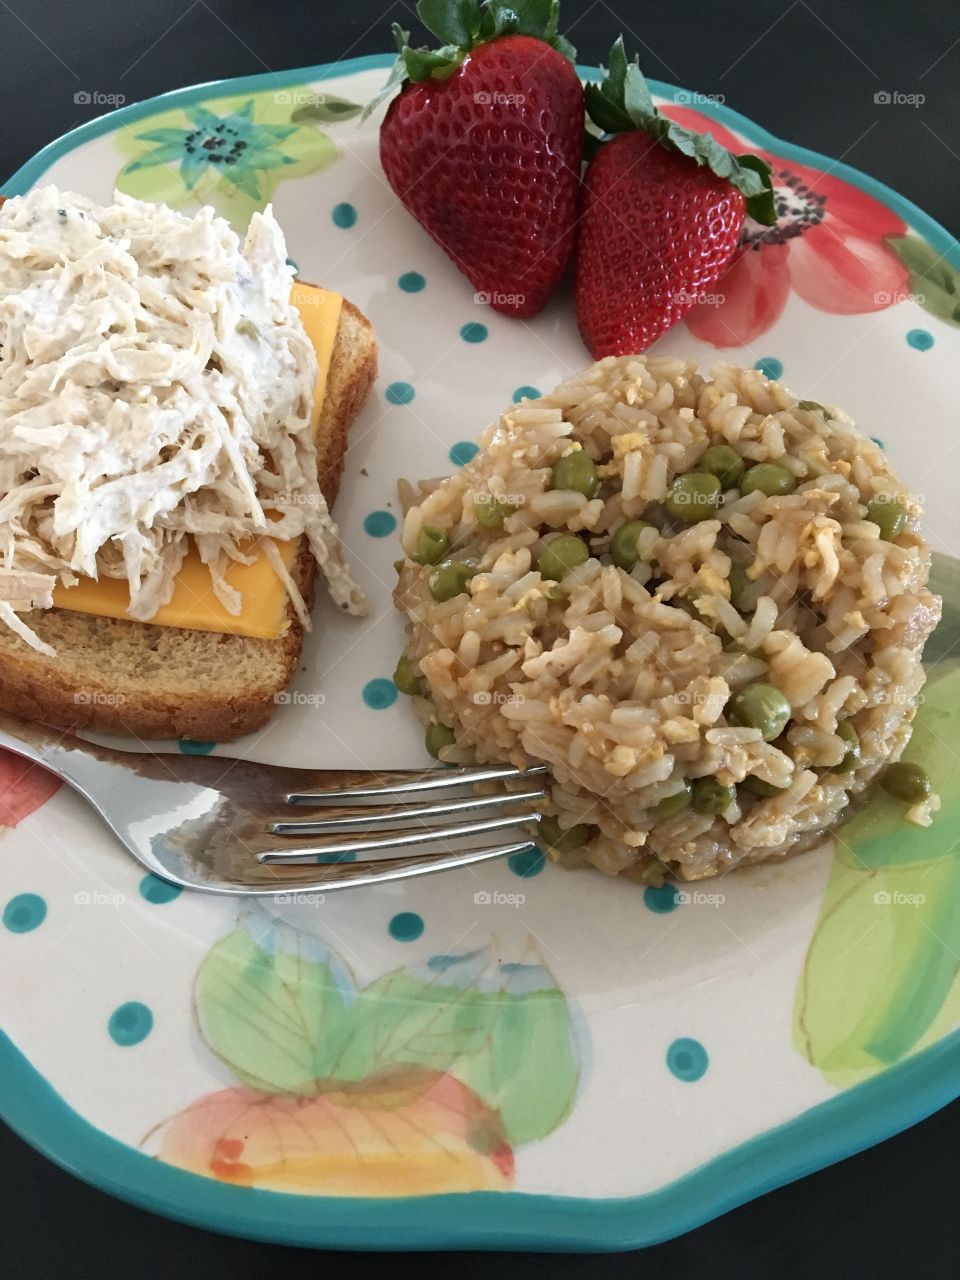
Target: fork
227, 826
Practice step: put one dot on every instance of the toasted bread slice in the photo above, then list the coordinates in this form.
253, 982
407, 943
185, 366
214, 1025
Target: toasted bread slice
144, 681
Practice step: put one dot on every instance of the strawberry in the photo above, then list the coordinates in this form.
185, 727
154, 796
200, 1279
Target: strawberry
661, 213
484, 144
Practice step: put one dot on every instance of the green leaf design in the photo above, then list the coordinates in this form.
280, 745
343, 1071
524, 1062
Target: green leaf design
885, 953
504, 1030
329, 111
273, 1005
934, 281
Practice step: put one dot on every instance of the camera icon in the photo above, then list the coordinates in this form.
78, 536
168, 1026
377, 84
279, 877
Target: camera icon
283, 698
483, 698
882, 899
82, 98
482, 299
882, 97
82, 899
482, 898
282, 97
482, 99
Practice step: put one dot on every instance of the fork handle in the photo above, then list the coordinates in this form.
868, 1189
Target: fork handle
51, 748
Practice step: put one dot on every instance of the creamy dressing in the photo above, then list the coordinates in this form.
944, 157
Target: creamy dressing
156, 384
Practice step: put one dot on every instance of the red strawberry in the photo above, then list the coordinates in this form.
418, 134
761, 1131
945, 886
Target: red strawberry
661, 214
484, 145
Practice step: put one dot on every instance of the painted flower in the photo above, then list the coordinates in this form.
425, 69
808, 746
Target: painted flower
828, 246
232, 153
24, 787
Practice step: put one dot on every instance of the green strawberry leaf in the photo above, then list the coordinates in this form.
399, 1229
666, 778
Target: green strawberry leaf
622, 102
455, 22
462, 25
934, 281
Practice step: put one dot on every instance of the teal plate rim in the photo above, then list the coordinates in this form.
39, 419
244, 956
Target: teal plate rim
851, 1121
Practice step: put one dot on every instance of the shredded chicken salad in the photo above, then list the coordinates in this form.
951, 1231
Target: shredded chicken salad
156, 385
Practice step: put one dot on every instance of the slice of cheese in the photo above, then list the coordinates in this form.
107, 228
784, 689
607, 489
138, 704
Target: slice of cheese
194, 604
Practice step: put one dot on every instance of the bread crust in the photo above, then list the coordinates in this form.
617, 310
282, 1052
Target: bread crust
113, 692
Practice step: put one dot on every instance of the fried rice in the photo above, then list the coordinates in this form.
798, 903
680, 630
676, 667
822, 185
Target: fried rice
621, 681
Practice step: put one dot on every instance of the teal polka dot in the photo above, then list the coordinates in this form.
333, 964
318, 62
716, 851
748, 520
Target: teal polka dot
463, 453
662, 900
473, 331
770, 367
687, 1059
157, 891
406, 926
400, 393
191, 748
412, 282
379, 694
877, 441
292, 262
130, 1023
920, 339
25, 912
526, 393
379, 524
527, 863
344, 215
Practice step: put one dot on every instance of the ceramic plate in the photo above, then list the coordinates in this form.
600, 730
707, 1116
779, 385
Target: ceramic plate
576, 1062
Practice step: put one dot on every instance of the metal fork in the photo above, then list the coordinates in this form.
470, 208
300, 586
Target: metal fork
228, 826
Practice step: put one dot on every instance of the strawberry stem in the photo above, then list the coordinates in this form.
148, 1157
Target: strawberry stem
462, 25
622, 102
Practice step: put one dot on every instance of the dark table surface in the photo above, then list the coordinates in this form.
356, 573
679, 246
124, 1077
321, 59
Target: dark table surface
810, 73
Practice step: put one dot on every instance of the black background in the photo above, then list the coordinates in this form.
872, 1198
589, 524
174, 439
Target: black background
808, 72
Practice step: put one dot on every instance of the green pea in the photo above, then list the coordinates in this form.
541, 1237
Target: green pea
757, 787
489, 512
760, 706
769, 478
623, 544
724, 463
561, 554
888, 515
437, 737
693, 497
450, 579
739, 584
907, 782
851, 759
671, 805
576, 471
812, 404
431, 545
406, 679
564, 839
711, 796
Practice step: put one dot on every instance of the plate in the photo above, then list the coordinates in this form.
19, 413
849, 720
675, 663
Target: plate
505, 1057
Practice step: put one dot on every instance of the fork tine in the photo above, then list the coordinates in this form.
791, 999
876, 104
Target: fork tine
408, 840
373, 816
416, 781
352, 874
